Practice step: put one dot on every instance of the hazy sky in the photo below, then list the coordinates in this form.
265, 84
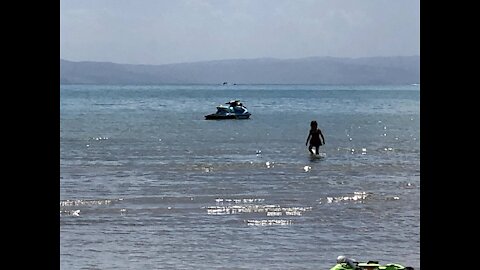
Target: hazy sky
175, 31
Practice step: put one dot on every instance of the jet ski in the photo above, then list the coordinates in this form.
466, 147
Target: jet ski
344, 263
234, 110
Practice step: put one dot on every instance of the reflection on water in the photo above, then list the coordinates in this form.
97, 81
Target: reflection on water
147, 183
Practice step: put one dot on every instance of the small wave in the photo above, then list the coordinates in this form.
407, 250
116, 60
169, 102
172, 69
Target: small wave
70, 203
74, 213
358, 196
247, 206
98, 138
268, 222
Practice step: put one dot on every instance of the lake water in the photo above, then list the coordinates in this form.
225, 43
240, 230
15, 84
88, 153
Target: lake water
147, 183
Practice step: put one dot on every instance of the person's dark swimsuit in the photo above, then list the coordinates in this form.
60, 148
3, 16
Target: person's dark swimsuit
315, 140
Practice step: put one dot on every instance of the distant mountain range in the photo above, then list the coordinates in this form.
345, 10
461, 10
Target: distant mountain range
312, 70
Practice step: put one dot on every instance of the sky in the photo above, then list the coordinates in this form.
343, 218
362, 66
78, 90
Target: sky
158, 32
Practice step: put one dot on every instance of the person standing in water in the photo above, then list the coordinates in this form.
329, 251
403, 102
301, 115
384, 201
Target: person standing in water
314, 137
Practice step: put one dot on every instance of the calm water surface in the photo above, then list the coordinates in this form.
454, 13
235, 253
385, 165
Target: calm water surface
147, 183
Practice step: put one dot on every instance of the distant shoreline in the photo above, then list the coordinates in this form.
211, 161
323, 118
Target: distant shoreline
305, 71
246, 84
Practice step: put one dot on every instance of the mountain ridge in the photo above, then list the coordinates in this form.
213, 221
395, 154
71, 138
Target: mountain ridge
307, 70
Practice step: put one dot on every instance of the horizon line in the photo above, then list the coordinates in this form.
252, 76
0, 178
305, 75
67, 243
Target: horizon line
239, 59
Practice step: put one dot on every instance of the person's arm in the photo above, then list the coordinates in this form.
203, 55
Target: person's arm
321, 134
308, 138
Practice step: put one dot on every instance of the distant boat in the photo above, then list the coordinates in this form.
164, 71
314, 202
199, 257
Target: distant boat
234, 110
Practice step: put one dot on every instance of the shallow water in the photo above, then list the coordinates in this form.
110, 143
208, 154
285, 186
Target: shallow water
147, 183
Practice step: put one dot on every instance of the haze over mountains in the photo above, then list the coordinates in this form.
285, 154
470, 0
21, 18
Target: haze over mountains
312, 70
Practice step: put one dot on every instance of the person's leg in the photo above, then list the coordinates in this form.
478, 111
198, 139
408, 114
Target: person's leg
310, 148
317, 147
